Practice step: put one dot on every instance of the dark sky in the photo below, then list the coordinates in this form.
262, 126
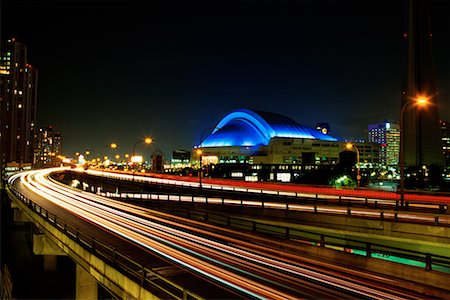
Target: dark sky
117, 71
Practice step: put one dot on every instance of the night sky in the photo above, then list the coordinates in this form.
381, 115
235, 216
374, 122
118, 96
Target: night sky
117, 71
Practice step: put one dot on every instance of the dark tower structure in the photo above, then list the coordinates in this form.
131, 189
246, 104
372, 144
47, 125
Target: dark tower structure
18, 94
421, 132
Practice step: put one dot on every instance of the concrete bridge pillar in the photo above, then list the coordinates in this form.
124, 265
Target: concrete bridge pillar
42, 245
86, 285
19, 216
50, 263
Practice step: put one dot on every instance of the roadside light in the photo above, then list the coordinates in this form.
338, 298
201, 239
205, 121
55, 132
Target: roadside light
349, 146
87, 152
113, 145
199, 151
148, 140
422, 101
117, 156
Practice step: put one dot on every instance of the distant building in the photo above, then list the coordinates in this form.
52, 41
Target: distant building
387, 135
180, 159
445, 130
274, 147
157, 158
18, 96
323, 127
48, 148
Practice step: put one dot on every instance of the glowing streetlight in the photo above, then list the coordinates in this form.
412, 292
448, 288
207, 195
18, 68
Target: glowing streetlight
199, 153
146, 141
350, 146
420, 101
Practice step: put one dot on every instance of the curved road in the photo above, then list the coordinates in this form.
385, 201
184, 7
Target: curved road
224, 261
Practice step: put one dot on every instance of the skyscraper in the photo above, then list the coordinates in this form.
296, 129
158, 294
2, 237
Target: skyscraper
386, 134
421, 133
48, 148
18, 96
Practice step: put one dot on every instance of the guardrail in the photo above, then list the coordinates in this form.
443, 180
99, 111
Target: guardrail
6, 284
425, 260
138, 272
379, 214
273, 186
282, 195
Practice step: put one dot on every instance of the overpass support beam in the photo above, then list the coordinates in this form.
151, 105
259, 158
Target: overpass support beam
42, 245
86, 285
19, 216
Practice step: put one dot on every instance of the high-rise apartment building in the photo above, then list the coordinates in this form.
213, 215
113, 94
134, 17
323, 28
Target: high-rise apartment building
18, 96
445, 130
48, 148
386, 134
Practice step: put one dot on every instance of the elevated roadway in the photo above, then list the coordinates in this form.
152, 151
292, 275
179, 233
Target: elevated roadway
226, 266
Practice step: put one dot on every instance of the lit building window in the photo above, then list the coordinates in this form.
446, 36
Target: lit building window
20, 92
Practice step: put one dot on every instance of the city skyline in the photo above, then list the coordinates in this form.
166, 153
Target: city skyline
116, 72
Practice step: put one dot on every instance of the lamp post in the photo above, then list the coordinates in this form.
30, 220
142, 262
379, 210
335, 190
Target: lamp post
112, 146
199, 153
358, 174
146, 141
87, 152
420, 101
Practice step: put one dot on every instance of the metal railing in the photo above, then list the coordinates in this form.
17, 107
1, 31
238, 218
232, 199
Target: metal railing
6, 284
296, 195
426, 260
314, 207
292, 199
141, 274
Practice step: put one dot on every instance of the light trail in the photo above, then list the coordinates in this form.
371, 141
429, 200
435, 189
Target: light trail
315, 193
230, 266
317, 208
280, 189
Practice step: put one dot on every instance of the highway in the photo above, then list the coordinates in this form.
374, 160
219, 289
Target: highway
216, 255
273, 188
420, 213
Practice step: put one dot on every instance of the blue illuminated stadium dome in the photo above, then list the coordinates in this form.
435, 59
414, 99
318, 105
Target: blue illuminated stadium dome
244, 127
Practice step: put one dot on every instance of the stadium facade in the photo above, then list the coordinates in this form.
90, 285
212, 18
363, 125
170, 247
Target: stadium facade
260, 139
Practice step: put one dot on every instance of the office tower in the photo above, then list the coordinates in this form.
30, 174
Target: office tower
18, 95
386, 134
48, 148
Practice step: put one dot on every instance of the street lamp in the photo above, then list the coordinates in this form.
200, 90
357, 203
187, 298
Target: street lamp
199, 153
350, 146
146, 141
420, 101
